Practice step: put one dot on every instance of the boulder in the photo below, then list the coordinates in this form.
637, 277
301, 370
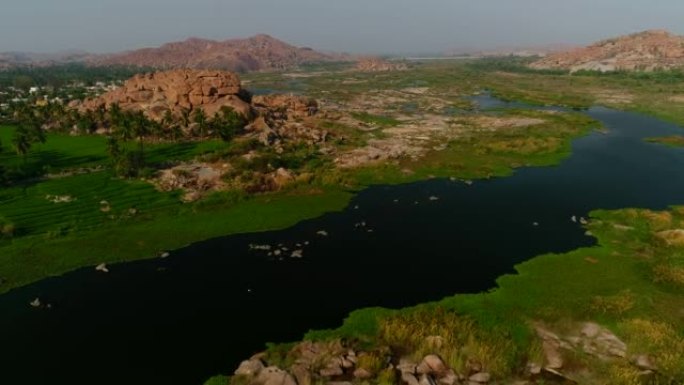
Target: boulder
449, 378
249, 368
644, 362
302, 374
273, 375
481, 378
362, 374
102, 268
426, 379
409, 378
431, 364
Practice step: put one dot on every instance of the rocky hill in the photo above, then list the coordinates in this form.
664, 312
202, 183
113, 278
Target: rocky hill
644, 51
175, 90
260, 52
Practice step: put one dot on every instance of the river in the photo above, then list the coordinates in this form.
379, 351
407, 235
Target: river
200, 311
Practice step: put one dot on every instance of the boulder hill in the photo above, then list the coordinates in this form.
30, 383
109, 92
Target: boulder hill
176, 90
644, 51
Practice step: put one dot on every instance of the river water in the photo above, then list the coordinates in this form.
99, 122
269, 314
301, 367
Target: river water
197, 313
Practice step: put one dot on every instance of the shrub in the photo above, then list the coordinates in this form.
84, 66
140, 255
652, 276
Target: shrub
7, 228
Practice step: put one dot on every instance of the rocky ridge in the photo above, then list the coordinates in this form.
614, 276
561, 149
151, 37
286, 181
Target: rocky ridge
260, 52
644, 51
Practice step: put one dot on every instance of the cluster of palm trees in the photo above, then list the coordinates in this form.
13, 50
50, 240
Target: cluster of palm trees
121, 125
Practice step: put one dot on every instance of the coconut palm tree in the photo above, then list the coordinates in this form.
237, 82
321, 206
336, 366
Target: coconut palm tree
200, 117
227, 122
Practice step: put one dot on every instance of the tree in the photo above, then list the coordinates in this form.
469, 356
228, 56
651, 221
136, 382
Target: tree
200, 118
85, 122
29, 131
22, 141
185, 117
124, 127
141, 128
3, 171
170, 125
227, 123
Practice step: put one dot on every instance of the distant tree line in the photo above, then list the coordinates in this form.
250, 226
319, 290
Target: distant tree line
58, 76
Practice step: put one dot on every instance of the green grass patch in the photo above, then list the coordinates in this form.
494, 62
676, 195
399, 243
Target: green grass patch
378, 120
160, 222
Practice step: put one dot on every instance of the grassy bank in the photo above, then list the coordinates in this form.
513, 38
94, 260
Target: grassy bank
632, 284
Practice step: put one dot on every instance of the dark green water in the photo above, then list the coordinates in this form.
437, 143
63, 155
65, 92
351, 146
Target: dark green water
199, 312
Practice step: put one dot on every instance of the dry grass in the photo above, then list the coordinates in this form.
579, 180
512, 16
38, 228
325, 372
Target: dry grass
668, 273
615, 305
659, 340
456, 339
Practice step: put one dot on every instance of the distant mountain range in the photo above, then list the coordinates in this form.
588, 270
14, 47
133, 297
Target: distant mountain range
644, 51
260, 52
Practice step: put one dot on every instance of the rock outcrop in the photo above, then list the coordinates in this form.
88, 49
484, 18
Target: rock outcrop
375, 64
176, 90
645, 51
284, 117
260, 52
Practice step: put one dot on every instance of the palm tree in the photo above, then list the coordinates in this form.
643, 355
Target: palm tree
141, 129
185, 117
227, 122
168, 123
200, 117
22, 141
124, 127
114, 117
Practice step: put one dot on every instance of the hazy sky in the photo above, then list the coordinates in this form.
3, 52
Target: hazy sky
380, 26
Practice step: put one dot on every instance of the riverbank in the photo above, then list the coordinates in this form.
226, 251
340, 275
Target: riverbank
604, 314
74, 220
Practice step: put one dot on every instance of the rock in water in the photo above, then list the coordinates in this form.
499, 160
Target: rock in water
102, 268
36, 303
